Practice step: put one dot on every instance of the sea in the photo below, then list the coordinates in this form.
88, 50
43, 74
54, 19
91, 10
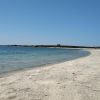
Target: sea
14, 58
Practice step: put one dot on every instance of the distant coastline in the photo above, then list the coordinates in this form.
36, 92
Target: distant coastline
55, 46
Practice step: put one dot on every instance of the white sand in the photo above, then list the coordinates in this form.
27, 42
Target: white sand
72, 80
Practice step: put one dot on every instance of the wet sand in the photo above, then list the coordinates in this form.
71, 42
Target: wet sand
77, 79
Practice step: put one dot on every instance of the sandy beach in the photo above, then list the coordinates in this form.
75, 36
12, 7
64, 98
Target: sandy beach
77, 79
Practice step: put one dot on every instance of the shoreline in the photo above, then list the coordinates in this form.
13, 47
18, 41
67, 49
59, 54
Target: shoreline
78, 79
5, 74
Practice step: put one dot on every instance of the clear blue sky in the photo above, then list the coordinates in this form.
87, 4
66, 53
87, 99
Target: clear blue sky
70, 22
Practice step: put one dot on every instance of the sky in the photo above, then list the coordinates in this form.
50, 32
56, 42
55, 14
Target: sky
68, 22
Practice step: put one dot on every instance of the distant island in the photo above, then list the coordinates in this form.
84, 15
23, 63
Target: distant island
57, 46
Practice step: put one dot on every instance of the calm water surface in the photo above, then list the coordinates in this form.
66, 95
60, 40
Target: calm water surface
16, 58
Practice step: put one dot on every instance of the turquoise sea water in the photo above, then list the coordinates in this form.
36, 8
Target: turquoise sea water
16, 58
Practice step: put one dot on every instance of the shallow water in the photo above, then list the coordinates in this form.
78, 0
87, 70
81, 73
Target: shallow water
16, 58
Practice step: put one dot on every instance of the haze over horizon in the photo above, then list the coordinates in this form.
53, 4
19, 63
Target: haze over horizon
68, 22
